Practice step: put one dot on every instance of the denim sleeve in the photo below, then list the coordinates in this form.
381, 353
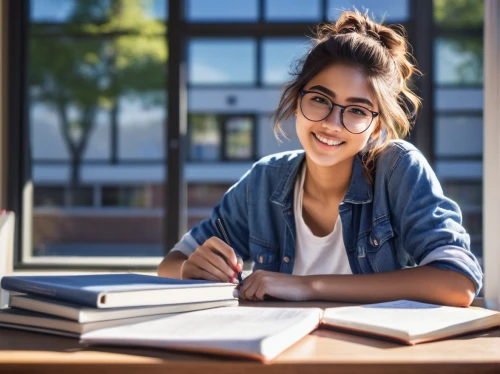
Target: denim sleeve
429, 223
232, 210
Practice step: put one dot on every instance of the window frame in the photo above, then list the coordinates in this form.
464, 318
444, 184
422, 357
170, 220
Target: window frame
225, 117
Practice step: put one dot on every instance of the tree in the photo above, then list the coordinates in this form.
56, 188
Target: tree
106, 50
456, 15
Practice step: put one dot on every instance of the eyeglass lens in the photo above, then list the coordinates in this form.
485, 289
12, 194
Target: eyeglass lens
317, 107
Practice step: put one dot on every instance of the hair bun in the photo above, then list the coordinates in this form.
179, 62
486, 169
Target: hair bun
391, 37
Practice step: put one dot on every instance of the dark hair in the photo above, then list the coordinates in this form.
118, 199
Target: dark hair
382, 52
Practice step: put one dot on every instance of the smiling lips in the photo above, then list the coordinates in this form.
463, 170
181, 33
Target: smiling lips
327, 141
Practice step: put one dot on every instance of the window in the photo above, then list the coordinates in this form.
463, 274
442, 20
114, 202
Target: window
126, 196
140, 126
239, 138
222, 61
387, 10
221, 137
205, 137
96, 98
293, 11
279, 56
222, 10
458, 61
78, 11
459, 136
458, 114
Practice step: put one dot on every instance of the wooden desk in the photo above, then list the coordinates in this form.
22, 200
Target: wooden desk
323, 351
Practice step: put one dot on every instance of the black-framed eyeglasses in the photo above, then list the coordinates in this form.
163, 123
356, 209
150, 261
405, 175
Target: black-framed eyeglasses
317, 107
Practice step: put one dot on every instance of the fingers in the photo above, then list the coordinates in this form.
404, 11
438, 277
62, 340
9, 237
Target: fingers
208, 261
190, 271
224, 249
250, 287
214, 260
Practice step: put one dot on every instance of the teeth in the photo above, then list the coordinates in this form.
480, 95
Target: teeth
327, 141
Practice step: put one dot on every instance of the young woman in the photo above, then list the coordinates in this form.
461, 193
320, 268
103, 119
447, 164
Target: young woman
358, 216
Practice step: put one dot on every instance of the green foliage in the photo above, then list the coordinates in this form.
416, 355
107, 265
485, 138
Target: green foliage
99, 67
459, 13
108, 49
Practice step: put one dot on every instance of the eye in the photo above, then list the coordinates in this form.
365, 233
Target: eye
320, 100
358, 111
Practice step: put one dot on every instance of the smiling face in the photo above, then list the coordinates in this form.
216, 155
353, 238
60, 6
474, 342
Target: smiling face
327, 143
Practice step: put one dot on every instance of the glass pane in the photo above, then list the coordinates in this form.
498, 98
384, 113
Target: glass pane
458, 61
293, 10
201, 198
95, 101
463, 169
140, 127
239, 137
98, 145
94, 11
222, 10
465, 13
47, 140
49, 196
82, 196
125, 196
278, 57
458, 136
387, 10
209, 63
204, 137
459, 99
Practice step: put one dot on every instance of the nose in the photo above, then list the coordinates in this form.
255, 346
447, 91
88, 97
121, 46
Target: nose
334, 120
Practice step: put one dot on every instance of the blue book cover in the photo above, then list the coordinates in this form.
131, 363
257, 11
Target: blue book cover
116, 290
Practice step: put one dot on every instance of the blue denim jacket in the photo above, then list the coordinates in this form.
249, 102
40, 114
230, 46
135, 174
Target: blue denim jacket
402, 221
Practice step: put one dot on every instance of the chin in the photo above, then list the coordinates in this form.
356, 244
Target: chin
324, 161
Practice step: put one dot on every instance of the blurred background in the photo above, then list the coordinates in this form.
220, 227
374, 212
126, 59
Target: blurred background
102, 83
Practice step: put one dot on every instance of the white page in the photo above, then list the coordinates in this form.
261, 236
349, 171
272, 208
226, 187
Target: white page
232, 329
410, 317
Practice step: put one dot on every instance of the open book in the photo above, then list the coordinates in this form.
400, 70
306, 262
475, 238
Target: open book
410, 322
263, 333
253, 332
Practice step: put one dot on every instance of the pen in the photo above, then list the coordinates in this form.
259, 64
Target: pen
223, 235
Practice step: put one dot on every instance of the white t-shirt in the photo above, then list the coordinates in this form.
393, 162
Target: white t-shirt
314, 254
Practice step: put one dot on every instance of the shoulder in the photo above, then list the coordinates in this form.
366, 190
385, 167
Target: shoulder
278, 164
400, 154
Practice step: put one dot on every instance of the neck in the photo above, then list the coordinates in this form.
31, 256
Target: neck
327, 183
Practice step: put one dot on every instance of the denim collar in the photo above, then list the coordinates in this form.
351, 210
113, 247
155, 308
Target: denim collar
359, 191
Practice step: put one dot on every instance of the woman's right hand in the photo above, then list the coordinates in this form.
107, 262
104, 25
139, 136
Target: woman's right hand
213, 260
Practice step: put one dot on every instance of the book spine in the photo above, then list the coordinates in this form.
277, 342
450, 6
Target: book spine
77, 296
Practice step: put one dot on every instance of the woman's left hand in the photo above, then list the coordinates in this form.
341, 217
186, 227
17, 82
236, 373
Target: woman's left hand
269, 283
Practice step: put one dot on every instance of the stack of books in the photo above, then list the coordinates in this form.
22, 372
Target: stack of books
76, 304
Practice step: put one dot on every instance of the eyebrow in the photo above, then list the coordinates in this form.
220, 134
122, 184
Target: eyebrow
349, 99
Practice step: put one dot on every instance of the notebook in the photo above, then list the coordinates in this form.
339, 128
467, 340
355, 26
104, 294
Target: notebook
83, 314
119, 290
262, 333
